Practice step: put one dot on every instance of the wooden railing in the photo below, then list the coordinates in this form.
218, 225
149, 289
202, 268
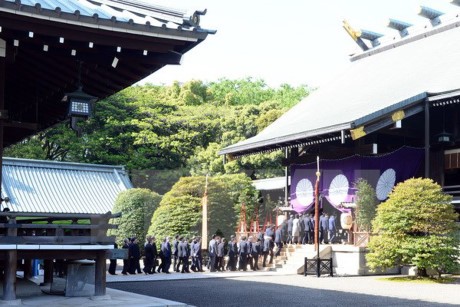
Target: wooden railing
63, 229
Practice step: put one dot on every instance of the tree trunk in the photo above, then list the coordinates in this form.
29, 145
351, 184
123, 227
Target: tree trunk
421, 272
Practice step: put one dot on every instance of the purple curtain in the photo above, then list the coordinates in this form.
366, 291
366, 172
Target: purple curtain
338, 176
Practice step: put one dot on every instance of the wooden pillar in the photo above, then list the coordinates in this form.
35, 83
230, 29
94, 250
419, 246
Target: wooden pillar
9, 281
427, 139
100, 274
48, 271
2, 102
11, 263
28, 268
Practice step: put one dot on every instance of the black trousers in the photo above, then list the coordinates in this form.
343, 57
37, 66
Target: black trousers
148, 265
112, 266
231, 265
134, 265
243, 265
184, 262
254, 262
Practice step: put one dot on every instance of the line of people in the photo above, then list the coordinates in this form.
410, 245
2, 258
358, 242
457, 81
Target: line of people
240, 254
300, 228
245, 254
159, 261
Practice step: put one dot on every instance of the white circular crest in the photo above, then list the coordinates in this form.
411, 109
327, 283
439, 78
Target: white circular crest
385, 184
338, 190
304, 192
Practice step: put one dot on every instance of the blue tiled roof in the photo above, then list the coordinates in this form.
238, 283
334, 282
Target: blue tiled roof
61, 187
121, 11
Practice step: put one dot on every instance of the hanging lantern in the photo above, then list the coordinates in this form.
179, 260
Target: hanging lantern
346, 220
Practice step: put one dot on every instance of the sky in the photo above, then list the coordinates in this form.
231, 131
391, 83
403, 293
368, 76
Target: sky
298, 42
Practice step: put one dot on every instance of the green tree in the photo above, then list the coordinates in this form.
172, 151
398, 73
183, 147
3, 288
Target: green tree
180, 211
137, 207
415, 226
366, 202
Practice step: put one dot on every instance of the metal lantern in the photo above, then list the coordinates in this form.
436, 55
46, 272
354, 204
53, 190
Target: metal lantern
80, 107
80, 103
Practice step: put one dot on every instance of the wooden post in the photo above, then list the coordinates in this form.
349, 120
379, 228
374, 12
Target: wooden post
204, 219
28, 268
427, 139
2, 102
100, 274
11, 263
48, 271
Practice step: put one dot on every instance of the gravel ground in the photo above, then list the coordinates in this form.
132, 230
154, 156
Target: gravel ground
295, 290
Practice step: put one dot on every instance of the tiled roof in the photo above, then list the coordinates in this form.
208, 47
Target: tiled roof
114, 13
61, 187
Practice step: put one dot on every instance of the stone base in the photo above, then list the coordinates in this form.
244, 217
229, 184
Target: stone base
349, 260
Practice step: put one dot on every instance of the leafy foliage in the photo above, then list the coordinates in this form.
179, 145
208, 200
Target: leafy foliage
180, 211
366, 201
415, 226
137, 207
180, 127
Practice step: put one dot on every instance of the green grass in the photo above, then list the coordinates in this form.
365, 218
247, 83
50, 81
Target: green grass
422, 280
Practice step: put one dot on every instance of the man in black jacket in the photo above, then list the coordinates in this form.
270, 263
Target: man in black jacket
197, 264
183, 255
125, 261
243, 251
175, 253
149, 255
113, 263
134, 257
232, 254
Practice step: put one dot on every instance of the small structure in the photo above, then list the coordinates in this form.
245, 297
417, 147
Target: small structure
57, 211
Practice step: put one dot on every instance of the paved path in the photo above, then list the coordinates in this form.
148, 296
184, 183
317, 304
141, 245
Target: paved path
273, 289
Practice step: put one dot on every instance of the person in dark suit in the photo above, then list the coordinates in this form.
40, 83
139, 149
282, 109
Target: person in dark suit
183, 255
308, 227
220, 255
254, 251
113, 262
125, 261
332, 228
290, 223
284, 232
324, 226
149, 257
196, 255
278, 241
134, 257
270, 234
232, 254
212, 251
243, 251
175, 253
166, 250
155, 255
